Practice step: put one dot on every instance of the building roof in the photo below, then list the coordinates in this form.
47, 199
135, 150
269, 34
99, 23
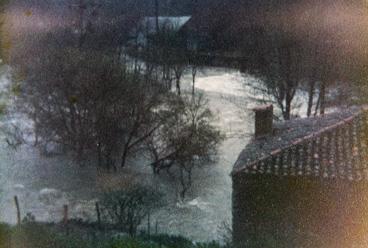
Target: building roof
289, 133
172, 22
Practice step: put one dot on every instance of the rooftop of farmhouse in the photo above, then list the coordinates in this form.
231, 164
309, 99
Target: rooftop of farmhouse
287, 142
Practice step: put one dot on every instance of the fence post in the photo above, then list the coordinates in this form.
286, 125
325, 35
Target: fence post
18, 210
98, 215
65, 217
149, 224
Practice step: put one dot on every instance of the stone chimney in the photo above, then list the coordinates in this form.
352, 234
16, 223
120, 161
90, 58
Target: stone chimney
263, 120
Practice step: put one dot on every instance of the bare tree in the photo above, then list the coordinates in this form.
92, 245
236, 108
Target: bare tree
157, 15
194, 65
278, 65
185, 141
85, 100
168, 50
295, 50
127, 208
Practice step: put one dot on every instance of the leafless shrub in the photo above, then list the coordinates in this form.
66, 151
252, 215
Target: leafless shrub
128, 208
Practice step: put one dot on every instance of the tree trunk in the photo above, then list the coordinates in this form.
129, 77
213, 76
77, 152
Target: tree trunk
157, 15
193, 87
124, 157
286, 113
186, 184
194, 74
182, 182
178, 87
317, 105
288, 100
310, 98
99, 155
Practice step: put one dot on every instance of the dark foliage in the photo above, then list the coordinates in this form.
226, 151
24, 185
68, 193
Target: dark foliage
126, 209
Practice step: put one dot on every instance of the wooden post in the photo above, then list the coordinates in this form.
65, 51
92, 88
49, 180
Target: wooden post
98, 215
18, 210
65, 218
149, 224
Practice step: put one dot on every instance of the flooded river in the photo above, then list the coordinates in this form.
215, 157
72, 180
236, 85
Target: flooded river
44, 184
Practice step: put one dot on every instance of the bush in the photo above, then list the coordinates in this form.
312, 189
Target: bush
209, 245
131, 243
4, 235
126, 209
170, 241
162, 241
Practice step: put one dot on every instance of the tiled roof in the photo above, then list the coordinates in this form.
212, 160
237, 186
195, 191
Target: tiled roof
288, 135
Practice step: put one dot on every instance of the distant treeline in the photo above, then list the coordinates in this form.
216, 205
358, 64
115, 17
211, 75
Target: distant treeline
116, 7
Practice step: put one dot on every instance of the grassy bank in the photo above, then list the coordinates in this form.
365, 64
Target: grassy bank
38, 235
